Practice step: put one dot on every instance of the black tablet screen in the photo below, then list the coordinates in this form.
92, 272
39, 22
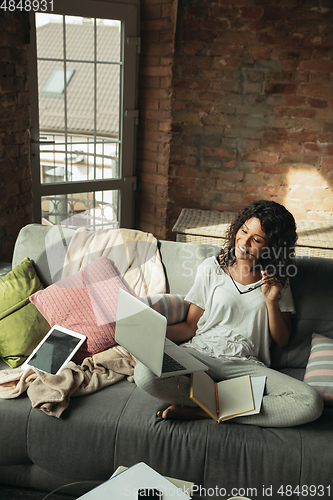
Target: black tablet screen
54, 352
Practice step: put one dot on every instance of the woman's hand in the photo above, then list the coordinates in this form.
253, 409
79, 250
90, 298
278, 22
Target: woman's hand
271, 287
279, 322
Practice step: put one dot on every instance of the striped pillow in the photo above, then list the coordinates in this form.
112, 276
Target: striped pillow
172, 306
319, 370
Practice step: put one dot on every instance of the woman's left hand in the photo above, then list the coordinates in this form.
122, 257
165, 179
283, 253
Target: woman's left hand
271, 287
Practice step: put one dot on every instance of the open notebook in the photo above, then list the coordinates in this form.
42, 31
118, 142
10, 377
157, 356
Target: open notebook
229, 398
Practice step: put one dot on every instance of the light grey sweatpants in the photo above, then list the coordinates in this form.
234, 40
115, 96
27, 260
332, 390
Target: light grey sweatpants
286, 402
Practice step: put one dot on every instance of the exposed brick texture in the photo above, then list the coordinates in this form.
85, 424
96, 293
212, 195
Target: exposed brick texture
15, 169
155, 104
252, 108
264, 98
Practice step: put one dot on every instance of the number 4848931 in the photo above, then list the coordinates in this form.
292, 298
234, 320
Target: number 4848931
305, 491
27, 5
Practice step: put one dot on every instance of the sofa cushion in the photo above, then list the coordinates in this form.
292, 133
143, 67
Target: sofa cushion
319, 370
86, 303
46, 247
172, 306
311, 286
181, 261
22, 326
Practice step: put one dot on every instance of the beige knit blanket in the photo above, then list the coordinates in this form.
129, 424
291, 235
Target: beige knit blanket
133, 253
52, 393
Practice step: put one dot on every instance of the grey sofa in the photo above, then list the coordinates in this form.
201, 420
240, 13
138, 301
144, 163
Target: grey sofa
117, 425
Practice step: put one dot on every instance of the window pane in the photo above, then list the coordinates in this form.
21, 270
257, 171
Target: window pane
52, 158
80, 100
80, 158
80, 40
107, 159
49, 36
99, 209
51, 109
108, 94
108, 40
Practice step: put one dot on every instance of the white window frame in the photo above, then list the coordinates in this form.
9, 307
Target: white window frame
128, 13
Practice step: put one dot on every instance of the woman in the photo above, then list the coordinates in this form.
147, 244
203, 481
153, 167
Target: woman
239, 303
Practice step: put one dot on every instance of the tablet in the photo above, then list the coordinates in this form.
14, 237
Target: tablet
55, 350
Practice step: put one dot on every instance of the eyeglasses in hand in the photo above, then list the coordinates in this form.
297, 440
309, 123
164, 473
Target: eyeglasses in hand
258, 285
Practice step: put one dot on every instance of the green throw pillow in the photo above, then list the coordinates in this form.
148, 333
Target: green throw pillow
22, 326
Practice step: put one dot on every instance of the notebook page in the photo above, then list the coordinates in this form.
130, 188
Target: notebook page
203, 391
235, 396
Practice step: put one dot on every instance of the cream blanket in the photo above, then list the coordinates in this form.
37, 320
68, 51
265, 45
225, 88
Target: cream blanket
52, 393
133, 253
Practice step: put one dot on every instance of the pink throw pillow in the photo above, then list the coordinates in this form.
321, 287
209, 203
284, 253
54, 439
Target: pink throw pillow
86, 303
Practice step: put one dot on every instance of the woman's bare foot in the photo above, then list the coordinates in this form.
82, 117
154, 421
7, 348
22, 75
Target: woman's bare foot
182, 413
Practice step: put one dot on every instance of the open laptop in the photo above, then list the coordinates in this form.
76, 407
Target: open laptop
142, 331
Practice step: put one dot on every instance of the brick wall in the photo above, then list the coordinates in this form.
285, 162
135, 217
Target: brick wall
155, 102
252, 115
15, 174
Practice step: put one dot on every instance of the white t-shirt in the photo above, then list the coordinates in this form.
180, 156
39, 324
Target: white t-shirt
233, 324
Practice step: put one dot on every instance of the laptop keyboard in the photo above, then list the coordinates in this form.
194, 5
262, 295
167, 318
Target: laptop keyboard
170, 364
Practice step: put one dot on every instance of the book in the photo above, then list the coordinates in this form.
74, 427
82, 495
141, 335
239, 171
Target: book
229, 398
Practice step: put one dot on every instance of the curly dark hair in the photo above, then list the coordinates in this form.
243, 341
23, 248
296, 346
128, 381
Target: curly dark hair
280, 228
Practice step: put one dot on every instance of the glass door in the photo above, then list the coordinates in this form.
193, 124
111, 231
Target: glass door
84, 112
